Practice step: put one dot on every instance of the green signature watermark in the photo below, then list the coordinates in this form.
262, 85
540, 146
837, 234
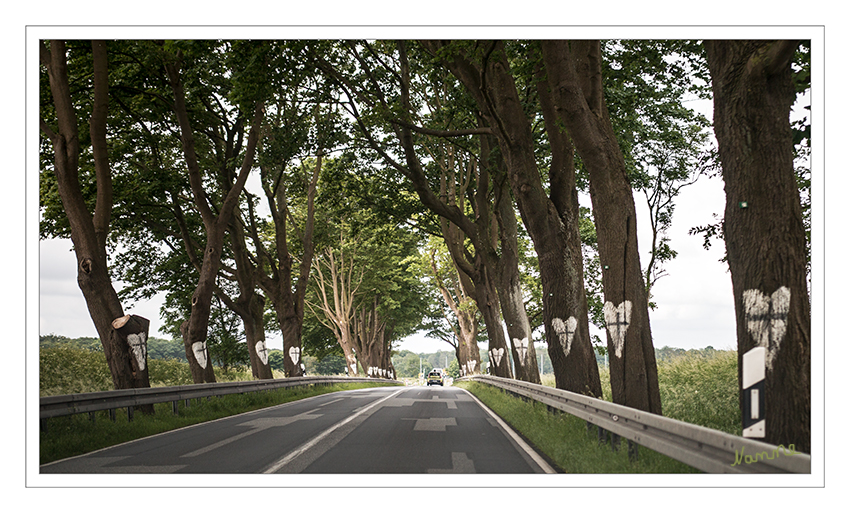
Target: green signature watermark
763, 455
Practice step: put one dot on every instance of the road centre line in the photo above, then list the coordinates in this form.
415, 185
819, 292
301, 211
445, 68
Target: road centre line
311, 443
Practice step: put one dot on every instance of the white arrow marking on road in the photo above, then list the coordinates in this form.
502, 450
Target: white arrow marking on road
304, 448
258, 425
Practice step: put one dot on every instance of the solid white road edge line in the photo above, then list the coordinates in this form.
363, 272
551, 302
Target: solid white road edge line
301, 450
547, 469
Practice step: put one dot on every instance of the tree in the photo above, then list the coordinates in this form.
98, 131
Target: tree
194, 330
574, 77
464, 328
477, 269
763, 224
124, 343
664, 143
483, 67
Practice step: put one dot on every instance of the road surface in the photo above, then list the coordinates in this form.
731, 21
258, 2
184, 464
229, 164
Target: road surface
375, 430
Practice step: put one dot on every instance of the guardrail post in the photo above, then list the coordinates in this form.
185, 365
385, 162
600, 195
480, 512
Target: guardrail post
112, 414
615, 442
601, 435
633, 451
43, 425
174, 407
130, 413
91, 416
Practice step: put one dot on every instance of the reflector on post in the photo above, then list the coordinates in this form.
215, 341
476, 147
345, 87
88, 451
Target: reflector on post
753, 418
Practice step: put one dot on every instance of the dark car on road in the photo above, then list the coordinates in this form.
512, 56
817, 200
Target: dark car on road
435, 378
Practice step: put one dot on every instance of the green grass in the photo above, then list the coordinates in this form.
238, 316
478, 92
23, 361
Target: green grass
565, 440
77, 434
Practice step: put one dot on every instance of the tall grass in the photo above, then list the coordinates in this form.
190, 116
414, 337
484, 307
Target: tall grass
698, 389
66, 369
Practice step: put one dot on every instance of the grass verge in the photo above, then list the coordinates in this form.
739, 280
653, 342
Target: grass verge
77, 434
565, 440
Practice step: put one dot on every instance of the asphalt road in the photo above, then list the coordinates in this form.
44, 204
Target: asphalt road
378, 430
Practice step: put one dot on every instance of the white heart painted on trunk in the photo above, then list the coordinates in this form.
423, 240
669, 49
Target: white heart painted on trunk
262, 352
137, 343
353, 368
565, 332
294, 355
199, 349
767, 318
617, 321
496, 354
521, 349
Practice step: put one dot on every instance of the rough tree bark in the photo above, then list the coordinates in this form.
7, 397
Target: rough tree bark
194, 330
490, 83
89, 231
763, 227
575, 79
249, 306
287, 302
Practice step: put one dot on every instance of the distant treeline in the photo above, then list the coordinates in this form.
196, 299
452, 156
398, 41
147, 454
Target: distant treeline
407, 363
161, 349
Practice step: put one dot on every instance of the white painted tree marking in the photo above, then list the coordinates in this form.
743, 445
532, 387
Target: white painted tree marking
262, 352
617, 321
767, 318
200, 351
137, 344
565, 332
470, 366
496, 354
353, 368
294, 355
521, 348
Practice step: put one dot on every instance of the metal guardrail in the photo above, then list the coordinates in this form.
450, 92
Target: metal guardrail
705, 449
60, 405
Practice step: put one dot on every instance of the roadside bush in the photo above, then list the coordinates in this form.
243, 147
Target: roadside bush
64, 369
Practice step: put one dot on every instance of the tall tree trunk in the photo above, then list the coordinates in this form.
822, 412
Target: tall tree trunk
289, 303
88, 232
336, 309
466, 347
250, 305
575, 78
564, 197
505, 265
763, 227
194, 330
492, 86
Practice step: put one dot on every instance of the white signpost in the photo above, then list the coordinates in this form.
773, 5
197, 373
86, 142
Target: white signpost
752, 417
